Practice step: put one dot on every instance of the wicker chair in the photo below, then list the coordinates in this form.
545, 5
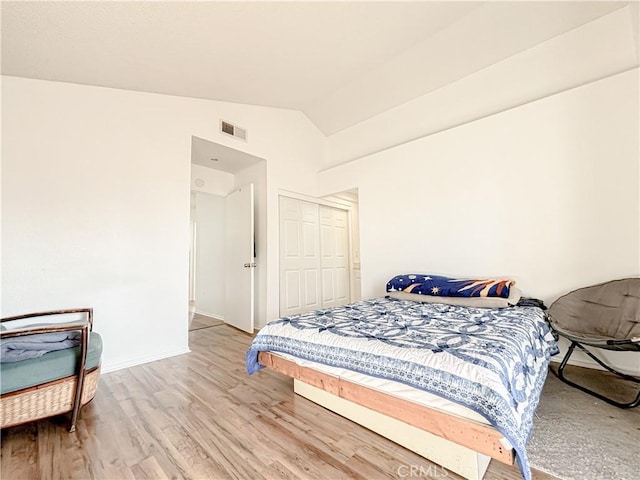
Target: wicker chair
61, 395
604, 316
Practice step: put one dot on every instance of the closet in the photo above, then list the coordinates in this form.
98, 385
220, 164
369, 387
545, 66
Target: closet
314, 256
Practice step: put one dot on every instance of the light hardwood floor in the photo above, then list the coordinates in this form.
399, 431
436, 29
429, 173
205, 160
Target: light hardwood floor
202, 321
200, 416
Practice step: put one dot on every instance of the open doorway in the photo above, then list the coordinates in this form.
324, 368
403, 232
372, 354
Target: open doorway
217, 171
207, 259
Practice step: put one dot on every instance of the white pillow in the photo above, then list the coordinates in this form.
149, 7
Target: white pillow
481, 302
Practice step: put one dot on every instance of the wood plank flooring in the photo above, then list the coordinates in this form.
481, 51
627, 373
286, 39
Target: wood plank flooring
200, 416
200, 321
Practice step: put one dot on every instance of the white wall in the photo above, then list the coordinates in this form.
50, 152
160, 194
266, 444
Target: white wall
95, 202
547, 193
598, 49
215, 182
210, 254
95, 213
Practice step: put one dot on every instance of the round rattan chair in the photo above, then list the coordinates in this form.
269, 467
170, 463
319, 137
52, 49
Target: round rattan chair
605, 316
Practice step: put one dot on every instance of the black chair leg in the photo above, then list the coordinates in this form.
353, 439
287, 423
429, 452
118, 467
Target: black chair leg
561, 376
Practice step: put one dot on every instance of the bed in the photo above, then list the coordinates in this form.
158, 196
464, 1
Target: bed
457, 384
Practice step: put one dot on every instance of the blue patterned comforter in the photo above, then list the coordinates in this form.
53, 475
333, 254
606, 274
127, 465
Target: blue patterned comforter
493, 361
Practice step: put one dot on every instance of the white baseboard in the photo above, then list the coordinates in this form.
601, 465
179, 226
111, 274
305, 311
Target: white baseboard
112, 367
592, 365
217, 316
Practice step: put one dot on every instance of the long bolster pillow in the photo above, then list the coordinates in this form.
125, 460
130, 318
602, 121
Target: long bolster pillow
439, 286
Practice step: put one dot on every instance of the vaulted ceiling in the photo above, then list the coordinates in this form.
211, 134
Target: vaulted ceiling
338, 62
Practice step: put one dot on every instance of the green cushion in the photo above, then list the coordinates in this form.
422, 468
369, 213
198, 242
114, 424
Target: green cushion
51, 366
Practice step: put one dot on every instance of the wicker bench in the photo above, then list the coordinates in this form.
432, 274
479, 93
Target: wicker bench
56, 383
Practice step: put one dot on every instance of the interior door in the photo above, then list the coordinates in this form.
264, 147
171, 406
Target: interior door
240, 260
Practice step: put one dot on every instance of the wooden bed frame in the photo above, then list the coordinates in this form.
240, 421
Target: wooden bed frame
460, 445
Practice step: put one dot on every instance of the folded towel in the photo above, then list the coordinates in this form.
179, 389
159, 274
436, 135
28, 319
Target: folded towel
15, 349
437, 285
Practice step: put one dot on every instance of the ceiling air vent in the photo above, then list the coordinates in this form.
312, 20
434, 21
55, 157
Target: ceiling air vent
233, 130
